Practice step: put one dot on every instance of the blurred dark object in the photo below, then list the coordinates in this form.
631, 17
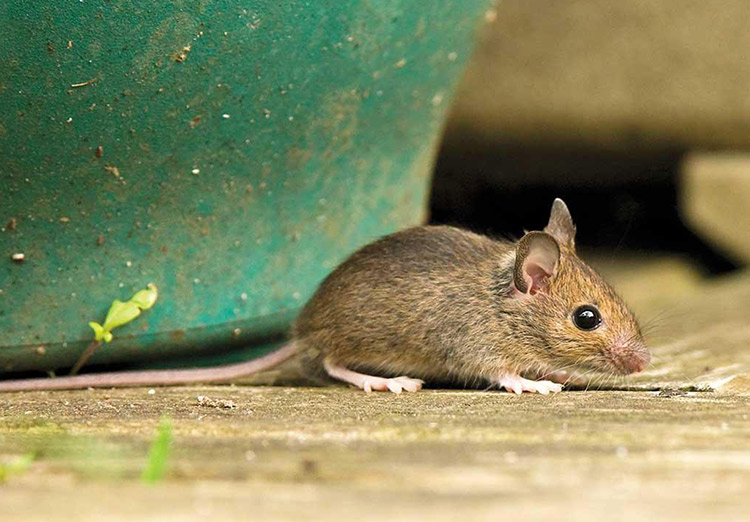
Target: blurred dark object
620, 200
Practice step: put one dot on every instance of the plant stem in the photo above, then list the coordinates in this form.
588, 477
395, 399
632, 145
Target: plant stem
87, 353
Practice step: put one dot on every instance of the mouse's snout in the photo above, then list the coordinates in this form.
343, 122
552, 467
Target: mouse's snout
630, 358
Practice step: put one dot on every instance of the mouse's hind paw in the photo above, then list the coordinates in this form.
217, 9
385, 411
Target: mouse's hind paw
517, 384
370, 383
395, 385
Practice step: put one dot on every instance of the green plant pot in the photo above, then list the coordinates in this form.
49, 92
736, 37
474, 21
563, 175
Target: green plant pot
232, 153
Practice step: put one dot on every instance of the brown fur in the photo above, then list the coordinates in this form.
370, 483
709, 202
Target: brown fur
439, 303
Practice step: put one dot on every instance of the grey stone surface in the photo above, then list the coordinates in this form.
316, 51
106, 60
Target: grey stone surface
336, 453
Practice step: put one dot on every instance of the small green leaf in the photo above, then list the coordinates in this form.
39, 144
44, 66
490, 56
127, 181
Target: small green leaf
121, 313
99, 332
158, 453
145, 299
17, 466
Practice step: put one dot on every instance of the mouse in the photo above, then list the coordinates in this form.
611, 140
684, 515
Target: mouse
435, 304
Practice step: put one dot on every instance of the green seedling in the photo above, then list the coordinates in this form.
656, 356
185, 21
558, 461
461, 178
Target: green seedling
122, 313
158, 453
119, 314
17, 466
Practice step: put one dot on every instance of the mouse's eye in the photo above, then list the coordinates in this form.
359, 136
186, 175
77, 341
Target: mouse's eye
587, 317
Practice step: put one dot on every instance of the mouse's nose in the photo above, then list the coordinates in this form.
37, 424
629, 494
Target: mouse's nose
636, 363
631, 358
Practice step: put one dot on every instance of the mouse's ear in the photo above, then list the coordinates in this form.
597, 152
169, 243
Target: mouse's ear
561, 225
537, 257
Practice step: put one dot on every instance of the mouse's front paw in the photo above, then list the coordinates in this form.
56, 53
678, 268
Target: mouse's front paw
517, 384
567, 378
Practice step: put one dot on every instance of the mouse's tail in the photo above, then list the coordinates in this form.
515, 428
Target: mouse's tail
213, 374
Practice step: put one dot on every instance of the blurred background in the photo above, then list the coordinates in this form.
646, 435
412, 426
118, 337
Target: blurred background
634, 112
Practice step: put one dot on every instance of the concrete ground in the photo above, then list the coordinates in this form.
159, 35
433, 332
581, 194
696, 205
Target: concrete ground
673, 444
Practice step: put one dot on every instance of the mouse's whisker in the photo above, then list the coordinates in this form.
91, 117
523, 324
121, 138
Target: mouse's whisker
601, 381
595, 385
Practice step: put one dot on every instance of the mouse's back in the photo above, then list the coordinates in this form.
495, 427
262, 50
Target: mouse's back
405, 296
